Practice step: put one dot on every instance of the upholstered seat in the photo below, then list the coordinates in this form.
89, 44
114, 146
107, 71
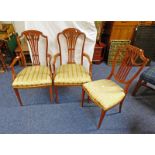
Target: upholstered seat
149, 75
33, 76
105, 93
71, 74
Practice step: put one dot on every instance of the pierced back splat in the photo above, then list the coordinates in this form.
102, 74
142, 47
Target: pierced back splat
130, 58
32, 38
71, 35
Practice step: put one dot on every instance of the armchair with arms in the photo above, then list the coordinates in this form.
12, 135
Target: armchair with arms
36, 75
71, 73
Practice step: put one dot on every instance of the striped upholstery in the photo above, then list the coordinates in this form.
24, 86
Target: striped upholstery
105, 93
149, 75
71, 74
33, 76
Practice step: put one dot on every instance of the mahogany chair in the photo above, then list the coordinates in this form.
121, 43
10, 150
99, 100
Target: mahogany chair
37, 75
71, 73
106, 93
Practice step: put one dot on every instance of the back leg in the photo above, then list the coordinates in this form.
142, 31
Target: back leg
137, 87
18, 96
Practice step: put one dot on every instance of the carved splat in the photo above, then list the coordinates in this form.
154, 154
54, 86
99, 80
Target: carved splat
130, 58
32, 37
71, 35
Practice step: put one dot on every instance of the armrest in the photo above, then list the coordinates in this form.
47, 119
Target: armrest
55, 58
90, 63
54, 61
49, 58
17, 58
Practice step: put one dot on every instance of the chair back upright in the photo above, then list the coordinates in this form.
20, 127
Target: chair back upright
32, 38
71, 36
132, 63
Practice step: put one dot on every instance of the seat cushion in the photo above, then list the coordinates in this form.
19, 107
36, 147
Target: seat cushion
71, 74
33, 76
105, 93
149, 75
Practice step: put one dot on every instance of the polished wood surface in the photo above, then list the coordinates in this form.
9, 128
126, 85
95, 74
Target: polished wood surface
98, 53
71, 35
129, 60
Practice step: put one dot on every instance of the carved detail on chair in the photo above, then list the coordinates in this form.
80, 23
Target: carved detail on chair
130, 58
32, 37
71, 35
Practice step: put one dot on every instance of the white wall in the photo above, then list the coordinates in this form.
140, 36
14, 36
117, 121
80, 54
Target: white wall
52, 28
19, 26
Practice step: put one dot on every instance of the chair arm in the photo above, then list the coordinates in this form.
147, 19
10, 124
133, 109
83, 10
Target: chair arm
55, 58
17, 58
49, 58
54, 61
90, 63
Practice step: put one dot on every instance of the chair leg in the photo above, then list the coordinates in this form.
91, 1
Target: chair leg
50, 91
18, 96
137, 87
56, 93
101, 118
82, 96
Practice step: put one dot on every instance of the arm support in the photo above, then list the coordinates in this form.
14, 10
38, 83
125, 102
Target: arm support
90, 63
49, 58
54, 61
12, 66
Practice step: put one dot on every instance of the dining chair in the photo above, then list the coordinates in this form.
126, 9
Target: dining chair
109, 92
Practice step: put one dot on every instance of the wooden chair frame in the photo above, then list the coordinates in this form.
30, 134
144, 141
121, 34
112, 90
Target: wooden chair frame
71, 35
129, 60
32, 37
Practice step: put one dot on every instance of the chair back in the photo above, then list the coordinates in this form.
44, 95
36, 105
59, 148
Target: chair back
68, 40
132, 62
34, 38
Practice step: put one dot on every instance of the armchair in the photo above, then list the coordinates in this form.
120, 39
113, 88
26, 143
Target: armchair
36, 75
71, 73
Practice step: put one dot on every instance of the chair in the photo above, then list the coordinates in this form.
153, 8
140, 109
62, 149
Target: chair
70, 73
148, 76
107, 93
36, 75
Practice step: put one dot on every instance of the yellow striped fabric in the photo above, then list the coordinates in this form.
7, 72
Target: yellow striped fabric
105, 93
33, 76
71, 74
